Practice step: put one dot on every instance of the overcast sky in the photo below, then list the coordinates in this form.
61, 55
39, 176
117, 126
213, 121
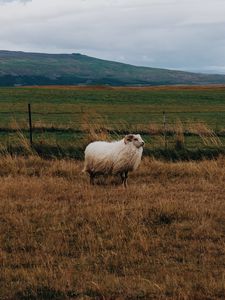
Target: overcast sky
177, 34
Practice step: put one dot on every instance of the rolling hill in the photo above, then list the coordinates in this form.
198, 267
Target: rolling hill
21, 68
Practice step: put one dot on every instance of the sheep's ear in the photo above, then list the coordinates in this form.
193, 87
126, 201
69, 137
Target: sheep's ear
128, 138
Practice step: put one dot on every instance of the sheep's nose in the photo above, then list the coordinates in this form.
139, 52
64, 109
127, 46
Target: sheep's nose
142, 144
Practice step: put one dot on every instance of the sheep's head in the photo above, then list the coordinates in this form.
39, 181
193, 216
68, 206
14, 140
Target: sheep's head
135, 139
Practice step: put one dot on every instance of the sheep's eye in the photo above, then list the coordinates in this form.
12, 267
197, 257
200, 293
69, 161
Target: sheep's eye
135, 139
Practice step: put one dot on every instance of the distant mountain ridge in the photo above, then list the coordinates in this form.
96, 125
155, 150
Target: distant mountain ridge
25, 68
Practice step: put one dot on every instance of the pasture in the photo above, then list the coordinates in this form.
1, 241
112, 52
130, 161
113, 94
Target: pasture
69, 117
161, 238
66, 105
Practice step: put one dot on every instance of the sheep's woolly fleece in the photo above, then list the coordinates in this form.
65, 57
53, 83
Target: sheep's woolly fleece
113, 157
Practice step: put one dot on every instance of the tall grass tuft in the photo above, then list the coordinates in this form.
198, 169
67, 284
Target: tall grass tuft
207, 135
95, 127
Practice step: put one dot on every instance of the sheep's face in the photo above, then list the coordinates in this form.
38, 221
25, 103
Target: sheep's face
135, 139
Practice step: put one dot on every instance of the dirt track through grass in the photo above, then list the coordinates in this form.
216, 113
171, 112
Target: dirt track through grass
162, 238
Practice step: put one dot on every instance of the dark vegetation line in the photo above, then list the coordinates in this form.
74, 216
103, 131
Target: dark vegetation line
108, 131
48, 151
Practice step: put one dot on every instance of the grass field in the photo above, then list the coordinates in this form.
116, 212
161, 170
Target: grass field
137, 106
64, 116
162, 238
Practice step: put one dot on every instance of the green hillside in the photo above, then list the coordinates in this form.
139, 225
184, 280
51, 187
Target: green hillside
20, 68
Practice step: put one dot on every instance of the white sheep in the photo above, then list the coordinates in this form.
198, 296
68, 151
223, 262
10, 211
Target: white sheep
114, 158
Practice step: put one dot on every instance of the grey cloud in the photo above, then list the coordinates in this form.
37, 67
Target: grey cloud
7, 1
182, 34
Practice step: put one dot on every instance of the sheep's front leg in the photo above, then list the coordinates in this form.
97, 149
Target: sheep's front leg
125, 180
122, 176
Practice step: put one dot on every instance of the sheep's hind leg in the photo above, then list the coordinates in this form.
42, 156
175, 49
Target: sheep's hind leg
92, 176
124, 177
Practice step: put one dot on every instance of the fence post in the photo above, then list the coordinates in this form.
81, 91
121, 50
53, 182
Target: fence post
164, 129
30, 125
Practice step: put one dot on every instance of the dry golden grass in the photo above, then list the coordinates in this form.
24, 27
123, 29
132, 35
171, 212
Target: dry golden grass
162, 238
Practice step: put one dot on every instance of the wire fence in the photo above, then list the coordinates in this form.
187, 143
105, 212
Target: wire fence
165, 124
212, 118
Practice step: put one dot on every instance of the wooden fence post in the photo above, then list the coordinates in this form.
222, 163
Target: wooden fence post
164, 129
30, 125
